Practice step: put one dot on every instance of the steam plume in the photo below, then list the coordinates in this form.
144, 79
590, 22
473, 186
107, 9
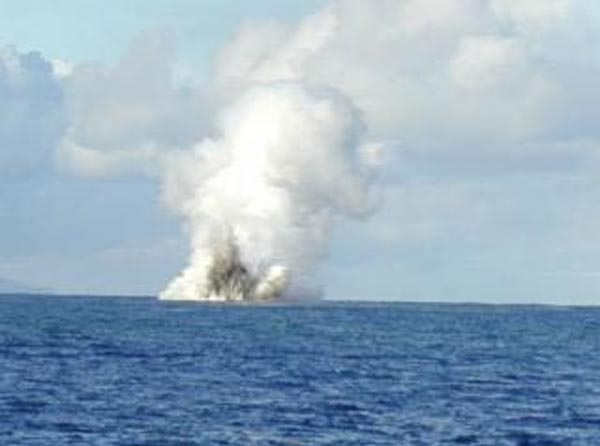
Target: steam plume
259, 198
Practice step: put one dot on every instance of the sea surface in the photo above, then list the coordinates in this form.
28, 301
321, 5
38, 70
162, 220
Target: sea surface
135, 371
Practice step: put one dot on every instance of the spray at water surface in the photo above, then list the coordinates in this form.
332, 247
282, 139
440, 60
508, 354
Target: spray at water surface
229, 279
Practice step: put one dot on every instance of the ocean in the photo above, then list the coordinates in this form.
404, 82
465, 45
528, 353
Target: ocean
136, 371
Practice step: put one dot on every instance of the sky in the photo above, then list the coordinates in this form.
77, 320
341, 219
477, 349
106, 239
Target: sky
486, 113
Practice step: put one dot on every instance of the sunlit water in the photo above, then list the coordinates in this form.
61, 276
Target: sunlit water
104, 371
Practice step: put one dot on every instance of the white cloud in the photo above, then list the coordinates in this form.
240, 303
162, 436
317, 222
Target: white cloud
532, 14
62, 69
484, 62
142, 160
31, 113
407, 65
449, 73
121, 117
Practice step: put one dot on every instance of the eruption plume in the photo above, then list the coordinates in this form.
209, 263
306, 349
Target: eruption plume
229, 279
259, 198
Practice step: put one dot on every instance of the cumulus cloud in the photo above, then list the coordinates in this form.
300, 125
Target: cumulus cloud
121, 118
31, 113
463, 69
444, 75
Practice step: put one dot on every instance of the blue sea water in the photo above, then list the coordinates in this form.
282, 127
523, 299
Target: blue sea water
117, 371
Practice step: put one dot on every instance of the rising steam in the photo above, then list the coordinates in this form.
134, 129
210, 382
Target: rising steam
259, 198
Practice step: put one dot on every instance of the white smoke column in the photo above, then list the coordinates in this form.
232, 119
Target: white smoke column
287, 159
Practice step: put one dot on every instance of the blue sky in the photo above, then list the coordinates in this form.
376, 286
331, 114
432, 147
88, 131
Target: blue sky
96, 30
487, 112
